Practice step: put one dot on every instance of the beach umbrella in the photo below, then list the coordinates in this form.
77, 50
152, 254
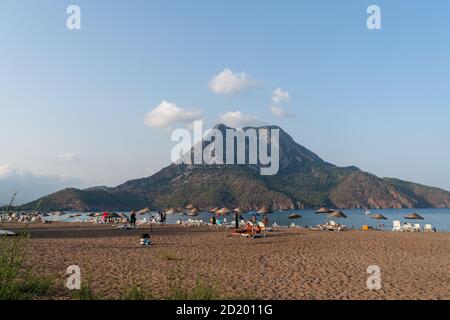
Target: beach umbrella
414, 216
324, 210
98, 214
224, 211
44, 215
337, 214
294, 216
240, 211
378, 217
264, 210
113, 215
171, 211
213, 210
144, 211
190, 206
91, 214
60, 213
194, 211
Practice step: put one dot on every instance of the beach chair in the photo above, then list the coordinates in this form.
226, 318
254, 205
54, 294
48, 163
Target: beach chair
407, 227
428, 228
340, 228
416, 227
397, 225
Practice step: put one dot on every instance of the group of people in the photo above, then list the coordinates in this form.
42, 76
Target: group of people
219, 220
161, 217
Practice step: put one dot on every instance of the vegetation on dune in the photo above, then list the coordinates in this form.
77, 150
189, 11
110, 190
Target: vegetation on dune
18, 281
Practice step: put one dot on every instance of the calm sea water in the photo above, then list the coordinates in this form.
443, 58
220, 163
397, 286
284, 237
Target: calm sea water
438, 218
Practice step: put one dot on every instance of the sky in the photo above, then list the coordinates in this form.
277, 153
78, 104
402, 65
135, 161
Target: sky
96, 106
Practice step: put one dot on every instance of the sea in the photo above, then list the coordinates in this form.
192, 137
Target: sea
356, 218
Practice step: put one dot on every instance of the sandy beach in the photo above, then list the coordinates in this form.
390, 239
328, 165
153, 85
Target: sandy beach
287, 264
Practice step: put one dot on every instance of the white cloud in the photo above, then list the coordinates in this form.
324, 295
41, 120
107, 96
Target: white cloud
237, 119
168, 113
30, 186
228, 82
68, 157
279, 96
280, 112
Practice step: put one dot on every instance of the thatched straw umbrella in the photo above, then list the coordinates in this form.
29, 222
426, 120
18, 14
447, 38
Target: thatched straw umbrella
378, 217
179, 209
113, 215
337, 214
213, 210
194, 210
264, 210
294, 216
144, 211
414, 216
171, 211
124, 216
224, 210
324, 210
240, 211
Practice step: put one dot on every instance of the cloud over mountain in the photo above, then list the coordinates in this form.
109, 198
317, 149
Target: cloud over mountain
237, 119
167, 114
228, 82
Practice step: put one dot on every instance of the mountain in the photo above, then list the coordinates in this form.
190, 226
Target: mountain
304, 180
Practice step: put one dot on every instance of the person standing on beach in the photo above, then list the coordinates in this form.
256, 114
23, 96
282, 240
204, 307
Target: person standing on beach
266, 221
133, 218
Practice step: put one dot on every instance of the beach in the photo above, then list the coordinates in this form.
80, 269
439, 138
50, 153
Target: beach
289, 263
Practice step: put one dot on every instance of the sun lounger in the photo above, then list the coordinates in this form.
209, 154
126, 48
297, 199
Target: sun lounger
416, 227
397, 225
428, 228
125, 227
407, 227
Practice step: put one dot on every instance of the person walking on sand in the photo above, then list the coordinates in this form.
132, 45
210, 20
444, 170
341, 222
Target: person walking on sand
133, 218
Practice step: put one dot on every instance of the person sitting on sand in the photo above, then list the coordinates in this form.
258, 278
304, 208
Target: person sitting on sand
248, 229
257, 229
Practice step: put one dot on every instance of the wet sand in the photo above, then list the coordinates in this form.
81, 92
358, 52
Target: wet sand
288, 264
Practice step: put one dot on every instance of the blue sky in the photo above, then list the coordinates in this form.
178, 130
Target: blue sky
73, 103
